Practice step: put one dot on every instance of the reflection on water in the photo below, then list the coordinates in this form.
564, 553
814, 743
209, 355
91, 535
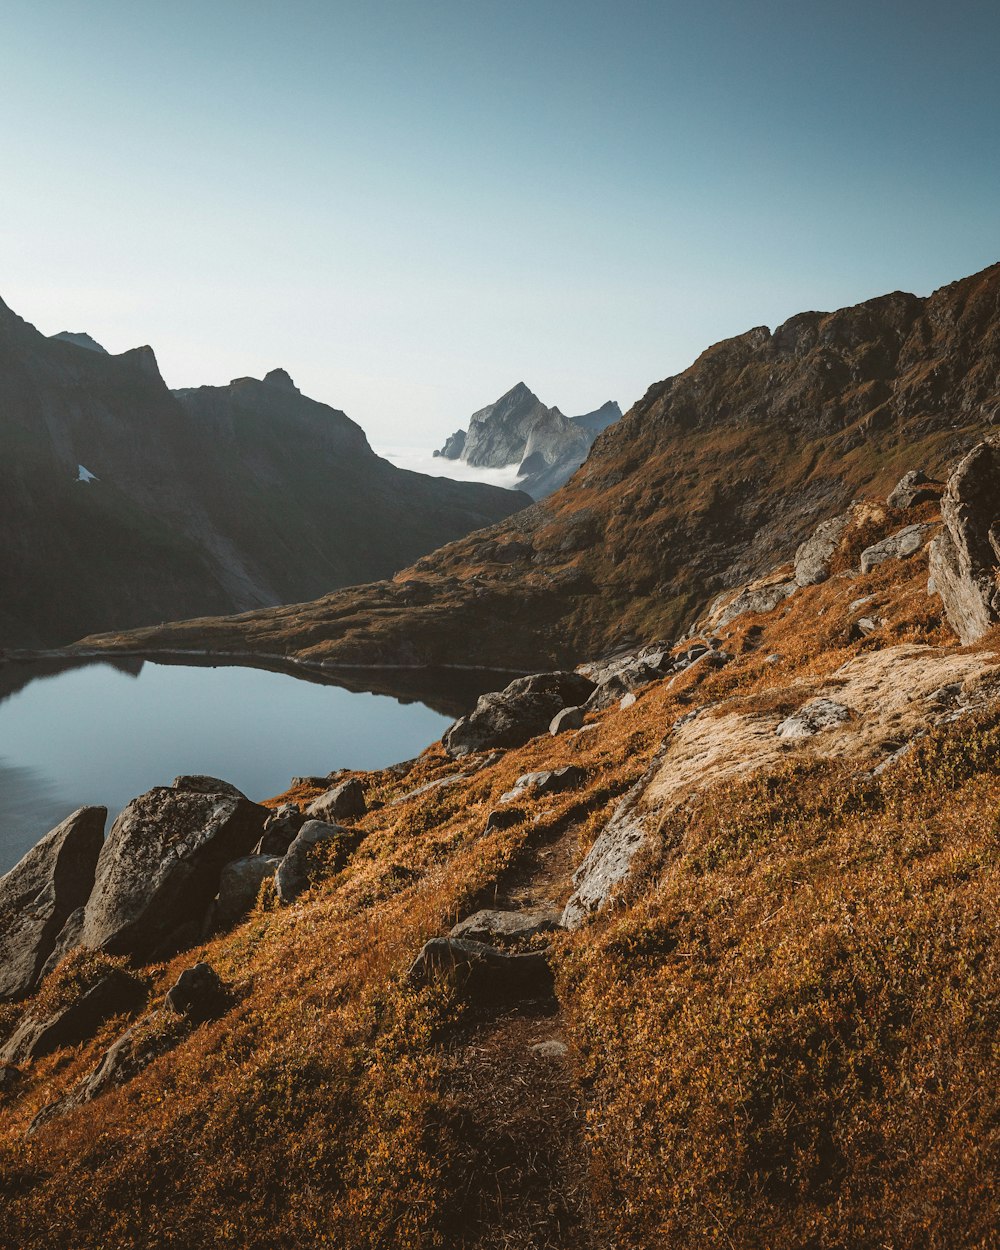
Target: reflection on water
30, 803
101, 733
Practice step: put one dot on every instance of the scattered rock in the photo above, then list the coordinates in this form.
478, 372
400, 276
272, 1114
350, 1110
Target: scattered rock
898, 546
965, 555
481, 971
197, 994
814, 556
112, 995
439, 784
295, 872
812, 717
343, 802
40, 893
523, 710
502, 928
551, 781
627, 700
159, 869
752, 599
568, 718
280, 829
503, 818
239, 886
912, 488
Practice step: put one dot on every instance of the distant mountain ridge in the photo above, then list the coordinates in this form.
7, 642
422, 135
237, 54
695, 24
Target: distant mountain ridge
519, 429
204, 500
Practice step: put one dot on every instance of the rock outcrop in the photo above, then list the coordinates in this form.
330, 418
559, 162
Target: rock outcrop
345, 801
523, 710
41, 892
160, 867
315, 843
965, 556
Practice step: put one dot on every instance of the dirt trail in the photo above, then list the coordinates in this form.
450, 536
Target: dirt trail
514, 1113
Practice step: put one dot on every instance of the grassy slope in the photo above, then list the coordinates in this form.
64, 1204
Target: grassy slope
784, 1034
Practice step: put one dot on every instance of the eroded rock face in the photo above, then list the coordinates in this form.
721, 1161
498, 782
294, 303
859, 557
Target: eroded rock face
40, 893
912, 488
609, 860
898, 546
965, 556
160, 866
813, 558
523, 710
756, 599
812, 717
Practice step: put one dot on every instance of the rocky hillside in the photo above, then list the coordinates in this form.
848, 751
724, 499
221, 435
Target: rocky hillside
693, 945
715, 474
125, 504
519, 429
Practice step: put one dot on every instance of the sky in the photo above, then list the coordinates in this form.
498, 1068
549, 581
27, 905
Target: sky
412, 205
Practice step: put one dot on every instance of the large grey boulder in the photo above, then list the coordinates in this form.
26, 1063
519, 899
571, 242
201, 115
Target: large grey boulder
814, 556
965, 556
481, 971
342, 802
40, 893
239, 886
307, 853
758, 599
912, 488
160, 867
523, 710
899, 546
507, 928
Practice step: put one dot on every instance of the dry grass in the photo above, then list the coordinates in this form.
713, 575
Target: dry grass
784, 1037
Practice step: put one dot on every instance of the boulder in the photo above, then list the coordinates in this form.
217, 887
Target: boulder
899, 546
295, 872
159, 869
112, 995
197, 994
280, 829
503, 818
198, 783
70, 936
814, 556
551, 781
964, 557
752, 599
40, 893
812, 717
609, 860
505, 928
912, 488
239, 886
10, 1078
343, 802
480, 971
523, 710
568, 718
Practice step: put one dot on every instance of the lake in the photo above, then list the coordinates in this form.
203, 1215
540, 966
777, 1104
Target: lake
102, 733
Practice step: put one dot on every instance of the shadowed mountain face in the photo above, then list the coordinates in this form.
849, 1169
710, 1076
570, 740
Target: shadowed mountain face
716, 474
125, 504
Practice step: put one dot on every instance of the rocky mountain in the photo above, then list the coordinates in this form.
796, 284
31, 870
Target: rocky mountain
698, 938
714, 475
519, 429
126, 504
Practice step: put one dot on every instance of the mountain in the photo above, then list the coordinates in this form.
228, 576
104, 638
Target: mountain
126, 504
693, 947
713, 475
519, 429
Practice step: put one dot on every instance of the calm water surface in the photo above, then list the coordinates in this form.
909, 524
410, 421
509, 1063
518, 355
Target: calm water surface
101, 734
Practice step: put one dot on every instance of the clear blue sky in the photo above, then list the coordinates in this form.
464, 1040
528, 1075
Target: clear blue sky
411, 205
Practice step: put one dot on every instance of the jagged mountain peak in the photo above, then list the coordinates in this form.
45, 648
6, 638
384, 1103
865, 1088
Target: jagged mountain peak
281, 378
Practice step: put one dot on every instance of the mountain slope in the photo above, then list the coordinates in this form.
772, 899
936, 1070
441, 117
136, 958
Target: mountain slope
716, 473
208, 500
